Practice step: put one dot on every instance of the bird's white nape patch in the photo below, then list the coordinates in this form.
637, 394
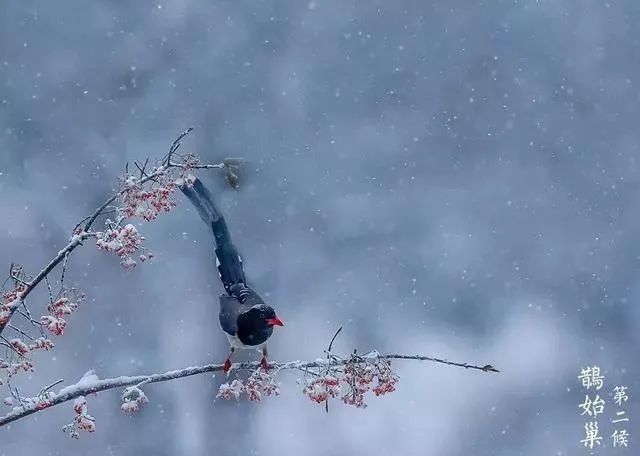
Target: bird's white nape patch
218, 267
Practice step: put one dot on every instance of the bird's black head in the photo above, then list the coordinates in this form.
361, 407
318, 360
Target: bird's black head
255, 325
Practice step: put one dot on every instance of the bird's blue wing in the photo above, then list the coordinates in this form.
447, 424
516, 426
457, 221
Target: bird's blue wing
230, 308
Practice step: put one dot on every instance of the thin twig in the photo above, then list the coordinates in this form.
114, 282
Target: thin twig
204, 166
334, 338
84, 219
28, 316
64, 271
326, 403
485, 368
18, 330
46, 281
47, 388
142, 168
176, 144
14, 274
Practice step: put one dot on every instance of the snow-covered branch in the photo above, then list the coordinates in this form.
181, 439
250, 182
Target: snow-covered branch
82, 232
321, 373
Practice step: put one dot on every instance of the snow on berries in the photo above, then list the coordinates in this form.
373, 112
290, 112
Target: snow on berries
41, 343
133, 398
82, 420
349, 381
10, 299
20, 361
352, 381
62, 307
53, 324
123, 241
5, 314
20, 347
230, 391
320, 389
259, 384
146, 198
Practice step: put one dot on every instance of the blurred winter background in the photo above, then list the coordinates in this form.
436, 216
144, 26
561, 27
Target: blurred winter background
449, 178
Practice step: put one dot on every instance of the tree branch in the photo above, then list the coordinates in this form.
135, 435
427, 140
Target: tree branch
76, 240
86, 387
82, 234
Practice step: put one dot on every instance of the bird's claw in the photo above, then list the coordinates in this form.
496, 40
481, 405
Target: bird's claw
264, 365
227, 366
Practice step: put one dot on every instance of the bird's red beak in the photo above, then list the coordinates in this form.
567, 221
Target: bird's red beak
275, 321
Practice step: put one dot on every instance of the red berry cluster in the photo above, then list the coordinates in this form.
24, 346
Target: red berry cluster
53, 324
123, 241
82, 421
352, 382
8, 300
230, 391
259, 385
61, 307
320, 389
133, 398
22, 362
41, 343
147, 200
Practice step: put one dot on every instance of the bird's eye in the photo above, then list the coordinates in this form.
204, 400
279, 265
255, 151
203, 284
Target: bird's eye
261, 315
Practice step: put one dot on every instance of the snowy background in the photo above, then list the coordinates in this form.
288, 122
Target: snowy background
449, 178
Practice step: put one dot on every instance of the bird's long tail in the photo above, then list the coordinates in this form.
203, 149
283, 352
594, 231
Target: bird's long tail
227, 259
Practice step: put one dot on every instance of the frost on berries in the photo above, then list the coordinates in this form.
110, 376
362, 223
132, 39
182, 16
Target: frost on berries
261, 384
123, 241
53, 324
61, 307
20, 347
144, 198
319, 389
82, 420
41, 343
147, 203
133, 398
9, 300
231, 391
352, 382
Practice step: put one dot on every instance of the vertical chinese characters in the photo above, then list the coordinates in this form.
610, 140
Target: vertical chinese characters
620, 436
592, 407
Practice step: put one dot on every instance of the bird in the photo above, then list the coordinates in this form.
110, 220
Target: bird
245, 318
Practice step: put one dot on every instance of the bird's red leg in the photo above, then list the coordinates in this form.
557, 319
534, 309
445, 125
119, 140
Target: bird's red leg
263, 362
227, 363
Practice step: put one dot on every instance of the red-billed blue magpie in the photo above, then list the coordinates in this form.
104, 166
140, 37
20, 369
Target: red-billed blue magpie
244, 317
